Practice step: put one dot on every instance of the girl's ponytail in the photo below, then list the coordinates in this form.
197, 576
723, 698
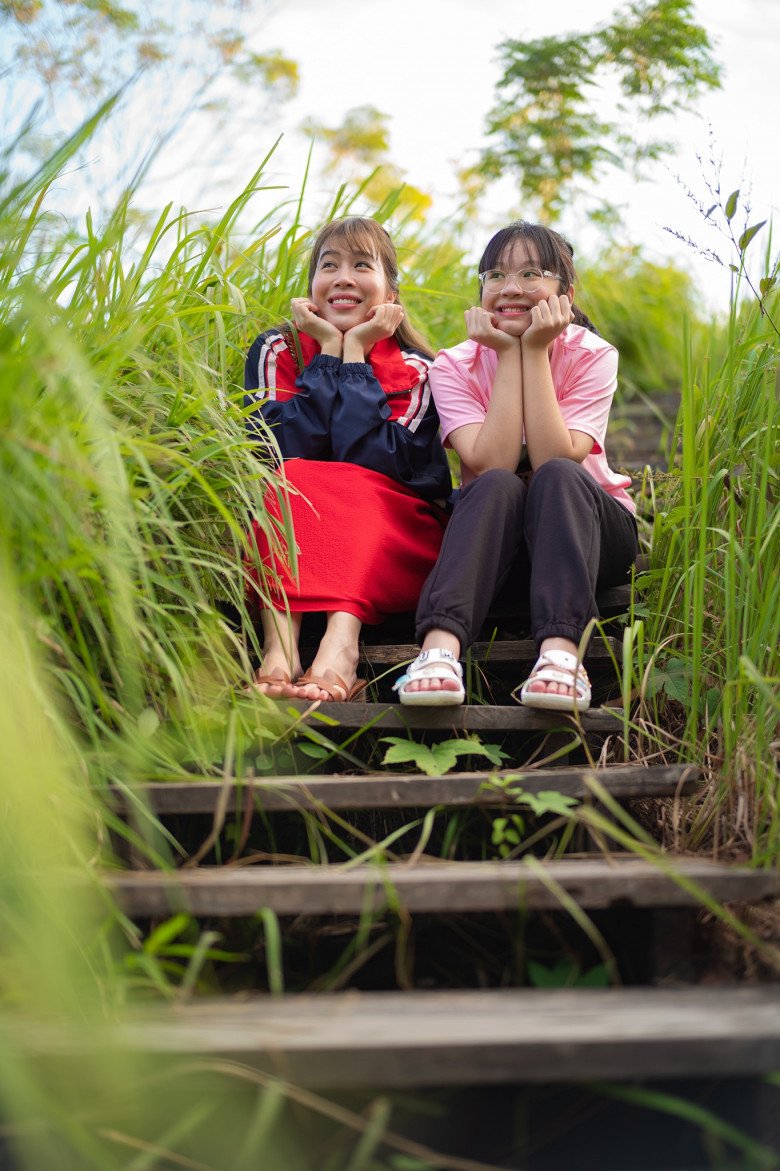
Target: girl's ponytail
582, 319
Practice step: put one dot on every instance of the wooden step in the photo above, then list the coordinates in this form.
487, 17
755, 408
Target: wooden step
499, 651
435, 886
466, 718
406, 791
396, 1039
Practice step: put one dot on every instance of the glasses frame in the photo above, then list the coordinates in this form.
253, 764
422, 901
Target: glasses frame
515, 277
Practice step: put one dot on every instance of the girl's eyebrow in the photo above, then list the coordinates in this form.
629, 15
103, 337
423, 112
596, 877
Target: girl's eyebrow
346, 252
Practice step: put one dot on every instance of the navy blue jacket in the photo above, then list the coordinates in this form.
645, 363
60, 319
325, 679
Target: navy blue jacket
341, 411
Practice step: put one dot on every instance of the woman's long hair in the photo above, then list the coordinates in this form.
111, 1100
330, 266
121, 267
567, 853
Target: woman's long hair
554, 251
361, 234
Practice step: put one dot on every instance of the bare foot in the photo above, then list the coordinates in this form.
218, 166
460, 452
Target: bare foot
335, 664
439, 640
273, 679
540, 685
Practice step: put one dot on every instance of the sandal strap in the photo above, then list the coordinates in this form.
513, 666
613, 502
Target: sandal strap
561, 667
425, 667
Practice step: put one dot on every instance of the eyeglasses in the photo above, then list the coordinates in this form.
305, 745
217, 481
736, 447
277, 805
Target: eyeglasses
527, 279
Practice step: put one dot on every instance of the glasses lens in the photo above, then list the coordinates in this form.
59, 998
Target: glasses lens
527, 279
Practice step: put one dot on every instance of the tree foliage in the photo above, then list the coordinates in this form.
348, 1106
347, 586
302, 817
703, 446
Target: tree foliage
93, 46
550, 127
358, 151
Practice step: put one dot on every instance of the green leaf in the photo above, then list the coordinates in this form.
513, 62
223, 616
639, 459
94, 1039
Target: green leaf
148, 723
549, 801
560, 975
595, 977
164, 934
766, 283
731, 204
748, 235
316, 751
439, 758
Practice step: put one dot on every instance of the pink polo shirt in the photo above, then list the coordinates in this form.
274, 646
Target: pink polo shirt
584, 373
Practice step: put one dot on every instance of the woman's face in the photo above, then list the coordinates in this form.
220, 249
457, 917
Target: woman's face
509, 301
348, 285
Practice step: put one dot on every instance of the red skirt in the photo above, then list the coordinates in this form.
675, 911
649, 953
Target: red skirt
365, 544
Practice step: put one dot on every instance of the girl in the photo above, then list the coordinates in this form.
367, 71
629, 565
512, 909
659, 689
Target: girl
524, 402
355, 423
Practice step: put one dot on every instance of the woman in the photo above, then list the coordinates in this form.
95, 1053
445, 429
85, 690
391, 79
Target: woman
364, 473
525, 402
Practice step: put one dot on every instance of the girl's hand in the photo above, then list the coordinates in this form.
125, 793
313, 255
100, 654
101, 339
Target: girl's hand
548, 320
382, 321
304, 314
482, 327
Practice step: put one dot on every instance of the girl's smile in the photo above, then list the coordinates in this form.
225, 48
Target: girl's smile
347, 286
511, 306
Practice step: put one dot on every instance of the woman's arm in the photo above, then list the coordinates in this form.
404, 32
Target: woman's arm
498, 441
546, 433
300, 415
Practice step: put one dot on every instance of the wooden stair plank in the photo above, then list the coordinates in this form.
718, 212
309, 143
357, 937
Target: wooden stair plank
435, 887
415, 1038
499, 651
467, 717
407, 791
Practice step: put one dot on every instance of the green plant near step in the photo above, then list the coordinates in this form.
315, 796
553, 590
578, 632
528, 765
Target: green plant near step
567, 974
436, 759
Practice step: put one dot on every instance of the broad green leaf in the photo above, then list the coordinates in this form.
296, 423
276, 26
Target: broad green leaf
438, 758
148, 723
731, 204
748, 235
549, 801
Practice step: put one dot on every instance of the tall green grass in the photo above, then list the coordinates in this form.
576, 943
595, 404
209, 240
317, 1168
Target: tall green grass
712, 653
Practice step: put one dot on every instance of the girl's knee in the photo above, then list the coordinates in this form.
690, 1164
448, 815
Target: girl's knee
563, 473
497, 483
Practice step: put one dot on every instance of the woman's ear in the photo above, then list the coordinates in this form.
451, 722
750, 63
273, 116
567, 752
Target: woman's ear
570, 294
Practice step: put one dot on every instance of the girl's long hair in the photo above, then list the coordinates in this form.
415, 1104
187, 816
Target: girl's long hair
554, 251
361, 234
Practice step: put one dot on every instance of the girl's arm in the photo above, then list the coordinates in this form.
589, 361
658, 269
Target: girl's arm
498, 442
546, 434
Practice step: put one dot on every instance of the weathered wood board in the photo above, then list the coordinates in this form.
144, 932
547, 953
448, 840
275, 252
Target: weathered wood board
406, 1039
435, 886
406, 791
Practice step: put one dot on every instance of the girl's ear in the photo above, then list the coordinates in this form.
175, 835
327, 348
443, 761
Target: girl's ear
570, 293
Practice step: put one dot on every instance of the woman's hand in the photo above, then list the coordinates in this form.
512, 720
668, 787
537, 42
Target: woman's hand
382, 321
548, 320
304, 314
482, 327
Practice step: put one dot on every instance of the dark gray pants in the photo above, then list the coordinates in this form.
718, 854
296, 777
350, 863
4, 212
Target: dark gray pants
568, 535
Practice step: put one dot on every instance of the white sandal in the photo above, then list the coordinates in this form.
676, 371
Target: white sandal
432, 664
558, 667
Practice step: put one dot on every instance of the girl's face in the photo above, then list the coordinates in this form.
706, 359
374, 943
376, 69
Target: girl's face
348, 285
511, 304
